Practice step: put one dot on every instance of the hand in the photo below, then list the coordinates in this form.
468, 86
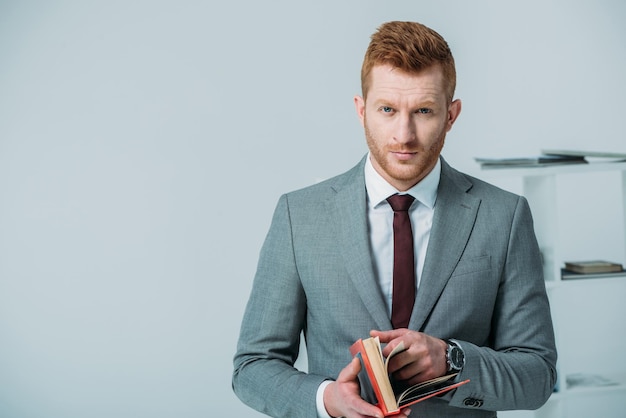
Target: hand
342, 398
424, 356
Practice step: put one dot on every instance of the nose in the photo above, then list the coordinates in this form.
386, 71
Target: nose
405, 130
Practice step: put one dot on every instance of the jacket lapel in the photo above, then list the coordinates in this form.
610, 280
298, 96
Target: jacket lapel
453, 221
350, 210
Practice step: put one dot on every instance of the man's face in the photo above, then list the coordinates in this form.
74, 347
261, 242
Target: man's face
406, 118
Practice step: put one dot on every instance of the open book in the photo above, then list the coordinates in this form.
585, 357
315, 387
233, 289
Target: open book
377, 387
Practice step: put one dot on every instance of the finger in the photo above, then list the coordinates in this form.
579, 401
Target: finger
401, 361
390, 335
396, 340
411, 373
350, 372
351, 402
365, 409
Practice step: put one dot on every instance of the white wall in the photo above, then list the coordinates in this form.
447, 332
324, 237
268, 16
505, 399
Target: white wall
134, 134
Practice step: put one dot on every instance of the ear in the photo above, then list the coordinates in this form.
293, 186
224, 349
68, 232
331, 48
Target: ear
359, 104
453, 112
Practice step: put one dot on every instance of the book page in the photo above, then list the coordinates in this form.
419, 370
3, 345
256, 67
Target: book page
374, 353
399, 348
422, 389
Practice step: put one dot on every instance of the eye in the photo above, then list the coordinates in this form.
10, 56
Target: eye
386, 109
424, 110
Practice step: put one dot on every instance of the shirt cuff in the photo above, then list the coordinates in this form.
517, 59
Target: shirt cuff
319, 400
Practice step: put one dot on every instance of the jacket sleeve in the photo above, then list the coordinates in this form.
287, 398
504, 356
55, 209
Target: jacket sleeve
518, 368
264, 375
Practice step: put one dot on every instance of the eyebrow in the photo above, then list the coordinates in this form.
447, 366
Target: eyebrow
418, 105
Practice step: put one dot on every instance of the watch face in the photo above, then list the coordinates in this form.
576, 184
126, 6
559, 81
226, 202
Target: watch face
457, 358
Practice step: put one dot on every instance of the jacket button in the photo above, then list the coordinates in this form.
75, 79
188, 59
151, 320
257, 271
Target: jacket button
476, 403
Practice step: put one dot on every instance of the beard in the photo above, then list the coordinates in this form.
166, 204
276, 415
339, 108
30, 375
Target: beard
403, 173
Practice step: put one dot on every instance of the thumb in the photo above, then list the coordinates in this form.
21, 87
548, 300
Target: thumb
351, 371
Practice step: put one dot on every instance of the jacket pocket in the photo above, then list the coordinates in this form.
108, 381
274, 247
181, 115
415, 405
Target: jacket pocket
472, 265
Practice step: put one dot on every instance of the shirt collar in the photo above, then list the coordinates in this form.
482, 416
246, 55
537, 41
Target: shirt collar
378, 190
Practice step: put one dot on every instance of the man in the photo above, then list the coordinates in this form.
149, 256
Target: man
326, 266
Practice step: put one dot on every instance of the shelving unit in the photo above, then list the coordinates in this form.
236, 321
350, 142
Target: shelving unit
579, 214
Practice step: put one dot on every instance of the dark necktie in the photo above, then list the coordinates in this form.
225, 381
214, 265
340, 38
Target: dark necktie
403, 261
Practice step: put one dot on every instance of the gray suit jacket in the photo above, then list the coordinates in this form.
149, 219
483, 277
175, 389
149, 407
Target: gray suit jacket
482, 284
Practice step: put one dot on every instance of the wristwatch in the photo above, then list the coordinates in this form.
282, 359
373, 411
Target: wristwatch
454, 356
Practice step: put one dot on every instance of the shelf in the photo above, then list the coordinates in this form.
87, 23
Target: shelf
596, 281
587, 312
543, 187
550, 169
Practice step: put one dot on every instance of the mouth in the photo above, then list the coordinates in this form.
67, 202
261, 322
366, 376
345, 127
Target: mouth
403, 155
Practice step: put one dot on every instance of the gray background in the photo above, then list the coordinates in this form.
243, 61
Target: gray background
134, 134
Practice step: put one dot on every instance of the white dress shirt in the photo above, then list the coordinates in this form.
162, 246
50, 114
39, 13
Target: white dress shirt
380, 219
380, 229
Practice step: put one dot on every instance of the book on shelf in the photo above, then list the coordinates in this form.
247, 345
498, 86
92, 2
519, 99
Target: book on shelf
593, 266
532, 161
380, 389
